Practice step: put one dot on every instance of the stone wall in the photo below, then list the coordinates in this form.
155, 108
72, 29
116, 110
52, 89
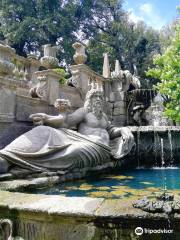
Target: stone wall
40, 217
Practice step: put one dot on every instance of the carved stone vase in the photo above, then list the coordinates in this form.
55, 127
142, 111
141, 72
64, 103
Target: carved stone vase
49, 60
79, 57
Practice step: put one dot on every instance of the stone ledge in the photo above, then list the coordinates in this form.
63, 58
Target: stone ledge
49, 204
155, 129
75, 206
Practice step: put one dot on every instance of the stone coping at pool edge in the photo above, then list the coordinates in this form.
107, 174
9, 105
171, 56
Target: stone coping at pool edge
14, 203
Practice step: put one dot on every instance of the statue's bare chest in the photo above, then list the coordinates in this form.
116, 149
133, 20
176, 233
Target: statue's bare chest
92, 121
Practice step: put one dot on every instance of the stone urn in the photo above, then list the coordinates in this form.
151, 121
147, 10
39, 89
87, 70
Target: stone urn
49, 60
79, 57
6, 53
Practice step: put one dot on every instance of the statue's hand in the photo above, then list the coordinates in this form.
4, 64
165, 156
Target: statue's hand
38, 118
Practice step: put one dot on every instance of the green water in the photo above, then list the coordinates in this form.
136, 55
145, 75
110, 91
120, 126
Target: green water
124, 184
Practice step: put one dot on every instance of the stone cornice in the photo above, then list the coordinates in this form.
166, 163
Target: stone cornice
13, 83
89, 71
48, 72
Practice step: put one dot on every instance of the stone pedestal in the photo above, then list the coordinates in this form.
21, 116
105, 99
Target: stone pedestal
83, 76
34, 65
47, 87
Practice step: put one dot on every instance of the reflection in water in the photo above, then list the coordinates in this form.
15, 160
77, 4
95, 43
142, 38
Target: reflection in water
138, 182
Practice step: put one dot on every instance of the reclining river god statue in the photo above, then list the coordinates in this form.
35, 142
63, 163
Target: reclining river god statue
53, 146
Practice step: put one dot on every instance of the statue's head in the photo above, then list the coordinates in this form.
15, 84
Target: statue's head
62, 105
94, 101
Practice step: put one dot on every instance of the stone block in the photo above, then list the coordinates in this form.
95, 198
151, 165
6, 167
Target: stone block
119, 111
7, 106
120, 104
117, 96
116, 85
72, 94
119, 120
27, 105
108, 108
47, 88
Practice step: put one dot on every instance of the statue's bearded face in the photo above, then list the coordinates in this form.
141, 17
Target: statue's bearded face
97, 104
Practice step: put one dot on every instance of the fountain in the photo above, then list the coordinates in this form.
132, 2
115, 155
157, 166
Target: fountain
102, 129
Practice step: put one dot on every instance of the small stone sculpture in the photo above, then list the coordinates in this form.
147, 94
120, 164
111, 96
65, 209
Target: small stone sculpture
79, 57
6, 227
165, 202
53, 146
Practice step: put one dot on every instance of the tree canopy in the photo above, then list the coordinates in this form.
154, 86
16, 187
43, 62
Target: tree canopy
167, 69
29, 24
103, 24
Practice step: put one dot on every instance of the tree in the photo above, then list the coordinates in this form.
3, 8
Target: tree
29, 24
108, 28
168, 71
103, 24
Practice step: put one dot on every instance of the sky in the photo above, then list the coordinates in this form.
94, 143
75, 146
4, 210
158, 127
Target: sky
155, 13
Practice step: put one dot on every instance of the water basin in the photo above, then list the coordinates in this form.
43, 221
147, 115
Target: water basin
127, 184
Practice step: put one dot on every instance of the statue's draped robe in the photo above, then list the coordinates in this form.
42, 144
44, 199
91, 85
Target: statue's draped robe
48, 149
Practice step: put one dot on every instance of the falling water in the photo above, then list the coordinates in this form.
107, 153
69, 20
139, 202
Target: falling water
162, 165
162, 152
138, 147
171, 148
156, 147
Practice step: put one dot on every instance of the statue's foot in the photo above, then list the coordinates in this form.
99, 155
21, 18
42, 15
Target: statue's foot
3, 166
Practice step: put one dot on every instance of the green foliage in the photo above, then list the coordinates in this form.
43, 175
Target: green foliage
168, 71
109, 29
62, 74
29, 24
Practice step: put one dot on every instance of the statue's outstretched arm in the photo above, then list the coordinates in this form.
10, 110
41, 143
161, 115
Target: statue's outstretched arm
53, 121
76, 117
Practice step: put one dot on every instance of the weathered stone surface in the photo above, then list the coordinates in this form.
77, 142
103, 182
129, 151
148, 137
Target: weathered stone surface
7, 106
50, 204
11, 132
116, 85
117, 96
120, 104
72, 94
106, 66
119, 120
56, 230
4, 126
42, 217
83, 76
28, 105
47, 87
119, 111
6, 53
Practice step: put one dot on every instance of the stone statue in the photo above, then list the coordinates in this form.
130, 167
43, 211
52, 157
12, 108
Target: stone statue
6, 230
53, 146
